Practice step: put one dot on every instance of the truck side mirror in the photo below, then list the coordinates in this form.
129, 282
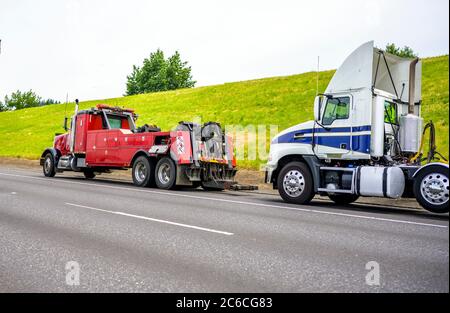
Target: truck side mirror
317, 107
65, 124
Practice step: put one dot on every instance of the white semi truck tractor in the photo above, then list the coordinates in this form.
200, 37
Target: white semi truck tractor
366, 139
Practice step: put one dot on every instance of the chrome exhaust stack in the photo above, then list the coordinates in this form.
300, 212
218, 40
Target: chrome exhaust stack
411, 124
72, 128
412, 85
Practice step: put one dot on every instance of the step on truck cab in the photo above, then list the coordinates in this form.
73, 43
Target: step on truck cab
365, 139
106, 138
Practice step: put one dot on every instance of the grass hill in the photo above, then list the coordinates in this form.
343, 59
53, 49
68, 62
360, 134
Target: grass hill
282, 101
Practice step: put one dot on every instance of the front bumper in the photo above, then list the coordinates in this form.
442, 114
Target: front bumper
268, 175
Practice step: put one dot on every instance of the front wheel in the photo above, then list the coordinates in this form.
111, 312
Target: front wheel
431, 188
343, 199
166, 174
295, 183
49, 165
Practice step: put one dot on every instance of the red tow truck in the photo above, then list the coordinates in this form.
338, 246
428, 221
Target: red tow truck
106, 138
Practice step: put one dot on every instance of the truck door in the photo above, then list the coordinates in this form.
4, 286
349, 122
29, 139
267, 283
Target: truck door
112, 144
80, 133
333, 137
96, 139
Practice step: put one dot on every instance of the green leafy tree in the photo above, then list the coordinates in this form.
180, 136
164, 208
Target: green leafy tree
133, 87
405, 52
159, 74
48, 102
153, 74
21, 100
178, 73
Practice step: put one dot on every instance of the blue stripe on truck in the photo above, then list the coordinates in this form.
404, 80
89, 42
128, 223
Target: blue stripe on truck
360, 143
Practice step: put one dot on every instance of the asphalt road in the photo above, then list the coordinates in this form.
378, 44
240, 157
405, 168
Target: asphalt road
128, 239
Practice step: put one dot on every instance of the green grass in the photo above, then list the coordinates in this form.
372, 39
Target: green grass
435, 98
283, 101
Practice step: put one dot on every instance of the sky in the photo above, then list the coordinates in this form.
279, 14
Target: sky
86, 48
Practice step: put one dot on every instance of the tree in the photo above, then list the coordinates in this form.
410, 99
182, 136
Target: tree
21, 100
178, 73
133, 87
406, 52
153, 75
48, 102
159, 74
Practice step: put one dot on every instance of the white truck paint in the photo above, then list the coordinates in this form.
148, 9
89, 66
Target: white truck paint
355, 132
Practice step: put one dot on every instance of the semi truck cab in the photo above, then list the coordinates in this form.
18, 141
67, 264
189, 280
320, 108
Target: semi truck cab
365, 139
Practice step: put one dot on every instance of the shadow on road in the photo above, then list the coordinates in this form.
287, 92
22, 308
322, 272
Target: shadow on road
372, 208
275, 200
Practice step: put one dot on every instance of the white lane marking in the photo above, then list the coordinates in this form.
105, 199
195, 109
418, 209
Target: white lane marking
235, 201
153, 219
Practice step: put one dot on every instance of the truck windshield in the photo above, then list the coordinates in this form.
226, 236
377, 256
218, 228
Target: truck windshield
115, 121
336, 109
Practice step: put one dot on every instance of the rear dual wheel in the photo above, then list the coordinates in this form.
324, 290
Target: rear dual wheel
162, 175
166, 173
143, 172
431, 188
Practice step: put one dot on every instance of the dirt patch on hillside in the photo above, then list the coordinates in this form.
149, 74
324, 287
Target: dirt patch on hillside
19, 163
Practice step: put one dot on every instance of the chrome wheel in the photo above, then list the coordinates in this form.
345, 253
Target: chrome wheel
294, 183
164, 173
434, 188
143, 172
48, 165
140, 172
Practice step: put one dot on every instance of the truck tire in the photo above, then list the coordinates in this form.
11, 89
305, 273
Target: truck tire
343, 199
166, 174
89, 174
143, 172
49, 165
295, 183
431, 188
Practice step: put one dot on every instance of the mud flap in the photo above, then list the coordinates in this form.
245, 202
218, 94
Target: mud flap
182, 178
